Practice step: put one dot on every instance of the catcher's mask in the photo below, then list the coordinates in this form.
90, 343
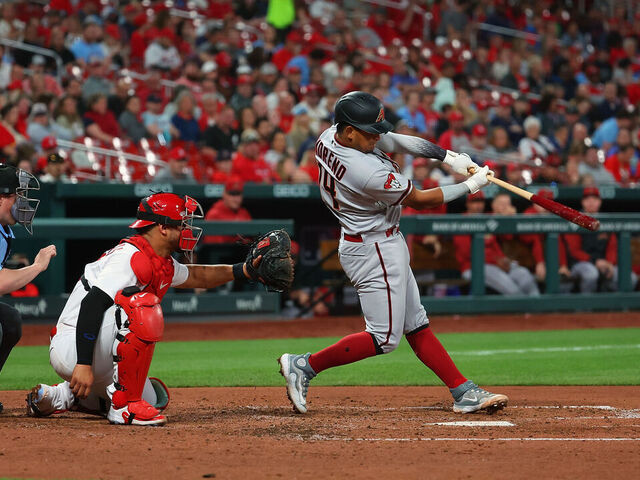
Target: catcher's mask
20, 182
174, 210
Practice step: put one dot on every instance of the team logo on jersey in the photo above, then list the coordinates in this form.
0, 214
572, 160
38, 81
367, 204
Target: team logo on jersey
392, 182
380, 115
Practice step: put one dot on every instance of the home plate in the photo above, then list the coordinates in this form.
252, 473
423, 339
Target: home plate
499, 423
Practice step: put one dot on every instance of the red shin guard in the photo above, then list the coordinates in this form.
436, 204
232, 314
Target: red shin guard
431, 352
134, 360
348, 350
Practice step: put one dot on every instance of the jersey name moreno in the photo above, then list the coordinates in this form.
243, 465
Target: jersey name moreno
363, 190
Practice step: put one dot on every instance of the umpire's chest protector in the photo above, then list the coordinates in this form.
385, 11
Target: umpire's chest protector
151, 270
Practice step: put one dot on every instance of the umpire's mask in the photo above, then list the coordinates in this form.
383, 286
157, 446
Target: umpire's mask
20, 182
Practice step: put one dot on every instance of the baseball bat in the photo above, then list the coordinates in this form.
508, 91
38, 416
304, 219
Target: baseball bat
568, 213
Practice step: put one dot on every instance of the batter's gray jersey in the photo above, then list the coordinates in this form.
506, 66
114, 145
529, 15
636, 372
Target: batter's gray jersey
363, 190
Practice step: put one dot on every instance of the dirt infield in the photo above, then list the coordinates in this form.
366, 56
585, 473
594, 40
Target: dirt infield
364, 432
354, 432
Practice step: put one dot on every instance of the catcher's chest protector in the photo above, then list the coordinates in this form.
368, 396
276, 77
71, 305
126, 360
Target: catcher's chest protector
153, 271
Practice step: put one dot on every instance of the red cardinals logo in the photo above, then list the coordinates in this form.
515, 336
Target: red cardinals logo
380, 115
392, 182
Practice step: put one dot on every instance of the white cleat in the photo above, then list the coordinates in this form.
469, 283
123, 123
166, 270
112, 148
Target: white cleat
136, 413
297, 372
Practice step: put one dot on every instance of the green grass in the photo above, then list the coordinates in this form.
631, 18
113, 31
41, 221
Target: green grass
564, 357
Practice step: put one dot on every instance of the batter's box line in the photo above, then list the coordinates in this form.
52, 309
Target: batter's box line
325, 438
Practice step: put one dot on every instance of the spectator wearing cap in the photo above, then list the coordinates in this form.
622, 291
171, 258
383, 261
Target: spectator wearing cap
411, 113
606, 134
31, 36
55, 170
593, 256
88, 46
534, 144
48, 146
503, 118
156, 121
621, 166
228, 208
177, 171
99, 122
184, 119
243, 95
480, 143
310, 104
420, 169
161, 53
591, 167
67, 122
96, 82
455, 138
292, 46
267, 76
38, 125
222, 135
248, 165
130, 120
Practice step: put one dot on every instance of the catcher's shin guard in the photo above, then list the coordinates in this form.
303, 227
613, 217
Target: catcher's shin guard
133, 351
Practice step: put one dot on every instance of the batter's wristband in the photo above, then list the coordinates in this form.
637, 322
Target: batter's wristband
238, 272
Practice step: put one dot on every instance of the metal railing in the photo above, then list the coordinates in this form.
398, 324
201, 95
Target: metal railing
37, 50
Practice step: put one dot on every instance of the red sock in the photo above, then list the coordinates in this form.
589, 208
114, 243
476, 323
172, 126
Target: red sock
348, 350
431, 352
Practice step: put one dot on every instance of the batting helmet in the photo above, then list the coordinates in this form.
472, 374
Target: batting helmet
171, 209
363, 111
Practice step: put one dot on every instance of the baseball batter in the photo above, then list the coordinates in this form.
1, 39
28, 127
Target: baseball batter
365, 190
103, 343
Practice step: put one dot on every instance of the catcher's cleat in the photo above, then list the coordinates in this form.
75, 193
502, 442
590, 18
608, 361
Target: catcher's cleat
297, 372
136, 413
44, 400
469, 398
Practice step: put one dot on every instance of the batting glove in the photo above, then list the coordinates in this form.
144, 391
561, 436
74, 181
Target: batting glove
460, 162
478, 180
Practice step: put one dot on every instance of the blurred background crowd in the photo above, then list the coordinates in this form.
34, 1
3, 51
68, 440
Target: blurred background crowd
230, 92
545, 91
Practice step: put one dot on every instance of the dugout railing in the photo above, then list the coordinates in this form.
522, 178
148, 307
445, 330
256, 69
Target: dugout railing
623, 225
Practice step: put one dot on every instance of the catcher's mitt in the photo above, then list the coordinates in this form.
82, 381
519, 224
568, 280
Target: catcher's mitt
275, 269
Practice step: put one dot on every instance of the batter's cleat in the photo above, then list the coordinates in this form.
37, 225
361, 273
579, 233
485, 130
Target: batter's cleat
469, 398
136, 413
44, 400
297, 372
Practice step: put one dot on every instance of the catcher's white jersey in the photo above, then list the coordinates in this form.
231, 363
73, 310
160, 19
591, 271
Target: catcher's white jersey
111, 273
363, 190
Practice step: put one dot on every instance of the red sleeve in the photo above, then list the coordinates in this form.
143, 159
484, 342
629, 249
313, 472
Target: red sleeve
534, 242
462, 244
574, 245
612, 249
492, 251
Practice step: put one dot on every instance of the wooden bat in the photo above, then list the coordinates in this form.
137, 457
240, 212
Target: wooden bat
574, 216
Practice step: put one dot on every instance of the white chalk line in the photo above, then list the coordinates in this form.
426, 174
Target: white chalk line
511, 351
326, 438
484, 423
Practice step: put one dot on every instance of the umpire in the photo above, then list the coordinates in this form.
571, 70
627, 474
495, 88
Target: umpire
16, 207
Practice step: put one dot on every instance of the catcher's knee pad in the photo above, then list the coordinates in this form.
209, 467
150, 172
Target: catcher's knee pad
135, 343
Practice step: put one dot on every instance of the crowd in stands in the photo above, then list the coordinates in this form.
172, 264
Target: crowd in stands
238, 91
243, 88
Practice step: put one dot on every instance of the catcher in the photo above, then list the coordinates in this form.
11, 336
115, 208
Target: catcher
103, 343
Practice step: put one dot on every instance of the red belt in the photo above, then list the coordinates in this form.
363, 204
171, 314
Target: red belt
358, 238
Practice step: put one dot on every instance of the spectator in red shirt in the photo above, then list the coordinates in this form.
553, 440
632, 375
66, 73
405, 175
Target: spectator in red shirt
593, 256
248, 164
455, 138
619, 165
229, 207
99, 122
291, 48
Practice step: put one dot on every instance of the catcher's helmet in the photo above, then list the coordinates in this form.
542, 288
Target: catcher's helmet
363, 111
171, 209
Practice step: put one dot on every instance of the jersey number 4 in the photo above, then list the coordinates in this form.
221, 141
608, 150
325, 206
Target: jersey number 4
326, 181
